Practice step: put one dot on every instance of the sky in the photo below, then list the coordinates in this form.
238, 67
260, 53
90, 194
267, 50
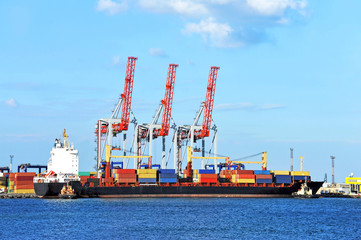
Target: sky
289, 75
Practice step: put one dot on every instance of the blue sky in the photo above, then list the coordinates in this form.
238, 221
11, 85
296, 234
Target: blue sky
289, 74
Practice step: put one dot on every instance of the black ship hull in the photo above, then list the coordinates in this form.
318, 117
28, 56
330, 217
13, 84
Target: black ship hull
54, 189
189, 191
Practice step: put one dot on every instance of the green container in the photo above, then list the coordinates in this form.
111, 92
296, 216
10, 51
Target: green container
84, 174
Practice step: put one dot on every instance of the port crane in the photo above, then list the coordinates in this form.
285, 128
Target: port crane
110, 127
194, 132
148, 132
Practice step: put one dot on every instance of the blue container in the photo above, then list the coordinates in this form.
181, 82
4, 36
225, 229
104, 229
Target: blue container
167, 180
297, 178
283, 179
258, 172
167, 175
206, 171
147, 180
166, 171
263, 180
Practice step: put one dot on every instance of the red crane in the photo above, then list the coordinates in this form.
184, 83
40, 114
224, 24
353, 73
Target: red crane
167, 101
126, 96
154, 130
208, 104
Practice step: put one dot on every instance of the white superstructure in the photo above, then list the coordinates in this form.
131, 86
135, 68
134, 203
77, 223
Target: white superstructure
64, 158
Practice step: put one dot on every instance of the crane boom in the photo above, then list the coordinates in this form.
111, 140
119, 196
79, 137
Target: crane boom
208, 104
168, 100
126, 96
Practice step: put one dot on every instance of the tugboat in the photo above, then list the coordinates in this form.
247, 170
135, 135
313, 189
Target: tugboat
67, 192
304, 192
62, 170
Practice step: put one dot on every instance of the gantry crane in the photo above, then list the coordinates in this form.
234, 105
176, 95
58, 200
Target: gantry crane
194, 132
118, 125
148, 132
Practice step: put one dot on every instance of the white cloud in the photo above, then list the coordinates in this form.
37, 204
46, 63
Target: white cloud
157, 52
217, 34
11, 102
182, 7
275, 7
112, 7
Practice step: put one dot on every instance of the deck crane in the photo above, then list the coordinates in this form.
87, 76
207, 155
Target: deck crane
117, 124
148, 132
195, 132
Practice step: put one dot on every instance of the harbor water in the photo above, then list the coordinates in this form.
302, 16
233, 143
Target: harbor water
180, 218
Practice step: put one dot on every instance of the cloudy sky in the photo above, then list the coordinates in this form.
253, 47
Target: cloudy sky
289, 74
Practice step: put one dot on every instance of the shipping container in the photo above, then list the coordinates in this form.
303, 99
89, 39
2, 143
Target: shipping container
280, 172
299, 173
167, 180
206, 171
297, 178
166, 171
147, 171
283, 179
264, 176
243, 180
259, 172
242, 172
260, 180
147, 180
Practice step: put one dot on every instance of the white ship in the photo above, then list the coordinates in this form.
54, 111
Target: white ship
63, 168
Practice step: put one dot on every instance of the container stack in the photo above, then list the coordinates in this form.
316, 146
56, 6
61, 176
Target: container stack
243, 176
167, 176
207, 176
83, 177
147, 175
11, 182
263, 176
127, 176
282, 177
297, 176
24, 182
3, 182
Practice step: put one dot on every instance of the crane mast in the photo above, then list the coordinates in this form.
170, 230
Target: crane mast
154, 130
194, 132
118, 125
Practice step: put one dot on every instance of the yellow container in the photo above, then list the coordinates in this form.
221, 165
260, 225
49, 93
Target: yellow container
141, 171
24, 191
299, 173
147, 175
243, 180
281, 172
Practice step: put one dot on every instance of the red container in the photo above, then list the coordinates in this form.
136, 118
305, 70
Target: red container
242, 172
24, 178
126, 175
207, 180
120, 171
24, 186
25, 174
264, 176
207, 176
245, 176
126, 180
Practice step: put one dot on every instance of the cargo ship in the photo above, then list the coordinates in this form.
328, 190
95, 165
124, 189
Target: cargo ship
62, 169
227, 179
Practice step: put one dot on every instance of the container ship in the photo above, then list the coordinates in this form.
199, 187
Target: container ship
222, 179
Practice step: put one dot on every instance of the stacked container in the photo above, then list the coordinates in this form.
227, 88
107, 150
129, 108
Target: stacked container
207, 176
305, 176
24, 182
243, 176
125, 175
282, 177
147, 175
11, 182
263, 176
167, 176
3, 182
